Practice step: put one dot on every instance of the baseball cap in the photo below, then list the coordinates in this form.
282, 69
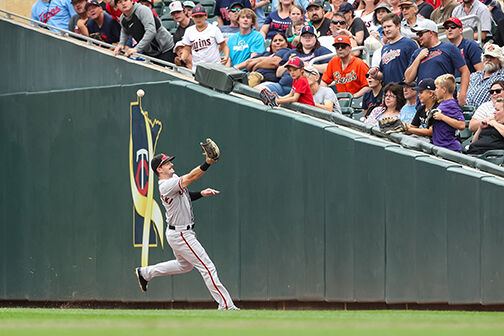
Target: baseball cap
385, 6
92, 3
425, 84
308, 29
198, 10
295, 62
237, 3
408, 84
492, 50
159, 160
176, 6
189, 4
406, 3
311, 69
345, 7
342, 39
425, 25
317, 3
453, 20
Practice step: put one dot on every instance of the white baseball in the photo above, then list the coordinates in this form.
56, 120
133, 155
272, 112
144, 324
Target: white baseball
140, 93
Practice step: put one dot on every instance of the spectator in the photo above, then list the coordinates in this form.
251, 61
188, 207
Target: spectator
444, 12
308, 48
436, 58
450, 118
355, 24
396, 54
409, 109
180, 16
178, 50
296, 14
149, 4
203, 41
338, 26
487, 109
295, 30
348, 72
188, 7
475, 7
409, 11
259, 11
263, 67
420, 126
480, 82
395, 6
315, 14
424, 9
499, 34
153, 39
246, 43
112, 9
334, 8
278, 21
367, 14
324, 97
373, 97
100, 25
495, 9
221, 10
393, 102
80, 8
55, 13
380, 11
301, 3
470, 50
490, 133
300, 91
232, 27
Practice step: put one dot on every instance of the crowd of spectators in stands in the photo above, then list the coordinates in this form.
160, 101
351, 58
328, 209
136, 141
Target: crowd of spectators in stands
310, 51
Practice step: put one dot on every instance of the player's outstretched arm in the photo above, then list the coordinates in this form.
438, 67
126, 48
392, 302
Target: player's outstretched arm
196, 173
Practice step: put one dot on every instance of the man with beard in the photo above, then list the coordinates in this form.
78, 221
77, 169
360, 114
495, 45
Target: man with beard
481, 81
396, 54
315, 13
472, 7
436, 58
100, 25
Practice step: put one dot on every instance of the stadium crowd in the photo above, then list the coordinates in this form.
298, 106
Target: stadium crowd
438, 88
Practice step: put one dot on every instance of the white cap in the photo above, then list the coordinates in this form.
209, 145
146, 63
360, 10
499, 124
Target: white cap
425, 25
176, 6
189, 4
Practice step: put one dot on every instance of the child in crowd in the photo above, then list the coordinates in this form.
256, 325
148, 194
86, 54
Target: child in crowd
421, 126
296, 32
450, 118
301, 91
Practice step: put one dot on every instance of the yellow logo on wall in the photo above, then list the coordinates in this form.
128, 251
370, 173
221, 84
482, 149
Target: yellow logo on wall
148, 225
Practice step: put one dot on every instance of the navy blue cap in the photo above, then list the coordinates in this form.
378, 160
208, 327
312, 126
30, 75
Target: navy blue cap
425, 84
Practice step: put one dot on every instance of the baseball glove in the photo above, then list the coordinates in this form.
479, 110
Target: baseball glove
211, 150
429, 120
97, 36
268, 98
391, 125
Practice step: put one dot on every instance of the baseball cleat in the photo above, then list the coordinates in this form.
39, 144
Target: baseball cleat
141, 281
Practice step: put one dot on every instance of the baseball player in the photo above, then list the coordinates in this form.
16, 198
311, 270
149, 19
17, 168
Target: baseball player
188, 251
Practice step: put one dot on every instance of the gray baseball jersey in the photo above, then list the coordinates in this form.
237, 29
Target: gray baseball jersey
176, 201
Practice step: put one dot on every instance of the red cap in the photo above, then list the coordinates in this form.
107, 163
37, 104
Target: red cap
453, 20
295, 62
342, 39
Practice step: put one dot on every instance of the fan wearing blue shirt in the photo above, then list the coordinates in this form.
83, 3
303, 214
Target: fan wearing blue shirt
247, 43
436, 58
55, 13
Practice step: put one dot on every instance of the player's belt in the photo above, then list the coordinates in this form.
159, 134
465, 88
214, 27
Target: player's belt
188, 227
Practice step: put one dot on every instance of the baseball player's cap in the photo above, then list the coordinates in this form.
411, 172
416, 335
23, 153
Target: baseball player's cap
454, 20
308, 29
295, 62
160, 159
189, 4
176, 6
425, 25
342, 39
198, 10
316, 3
492, 50
425, 84
92, 3
408, 84
346, 7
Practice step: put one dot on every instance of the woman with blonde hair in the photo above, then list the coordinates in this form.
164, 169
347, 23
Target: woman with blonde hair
278, 21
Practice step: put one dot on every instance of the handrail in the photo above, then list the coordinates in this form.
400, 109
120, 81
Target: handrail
92, 41
324, 57
469, 17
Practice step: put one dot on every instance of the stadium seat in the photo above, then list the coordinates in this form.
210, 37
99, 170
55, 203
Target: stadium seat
468, 112
495, 156
170, 25
466, 143
347, 110
345, 99
327, 7
358, 115
209, 6
267, 9
159, 8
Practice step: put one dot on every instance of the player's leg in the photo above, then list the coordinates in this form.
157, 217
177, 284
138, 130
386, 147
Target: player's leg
198, 257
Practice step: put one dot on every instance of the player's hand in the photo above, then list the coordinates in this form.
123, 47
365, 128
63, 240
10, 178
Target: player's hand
209, 192
438, 116
423, 53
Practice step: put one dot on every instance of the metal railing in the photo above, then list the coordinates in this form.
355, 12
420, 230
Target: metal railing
92, 41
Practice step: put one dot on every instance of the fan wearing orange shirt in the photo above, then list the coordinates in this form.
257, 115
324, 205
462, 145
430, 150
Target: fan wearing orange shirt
347, 71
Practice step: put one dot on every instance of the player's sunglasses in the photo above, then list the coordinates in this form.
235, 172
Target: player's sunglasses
420, 34
235, 10
338, 22
451, 27
495, 91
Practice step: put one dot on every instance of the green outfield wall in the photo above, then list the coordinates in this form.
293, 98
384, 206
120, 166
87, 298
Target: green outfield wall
309, 210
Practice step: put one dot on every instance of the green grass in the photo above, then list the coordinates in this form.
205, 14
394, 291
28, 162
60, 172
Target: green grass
20, 321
